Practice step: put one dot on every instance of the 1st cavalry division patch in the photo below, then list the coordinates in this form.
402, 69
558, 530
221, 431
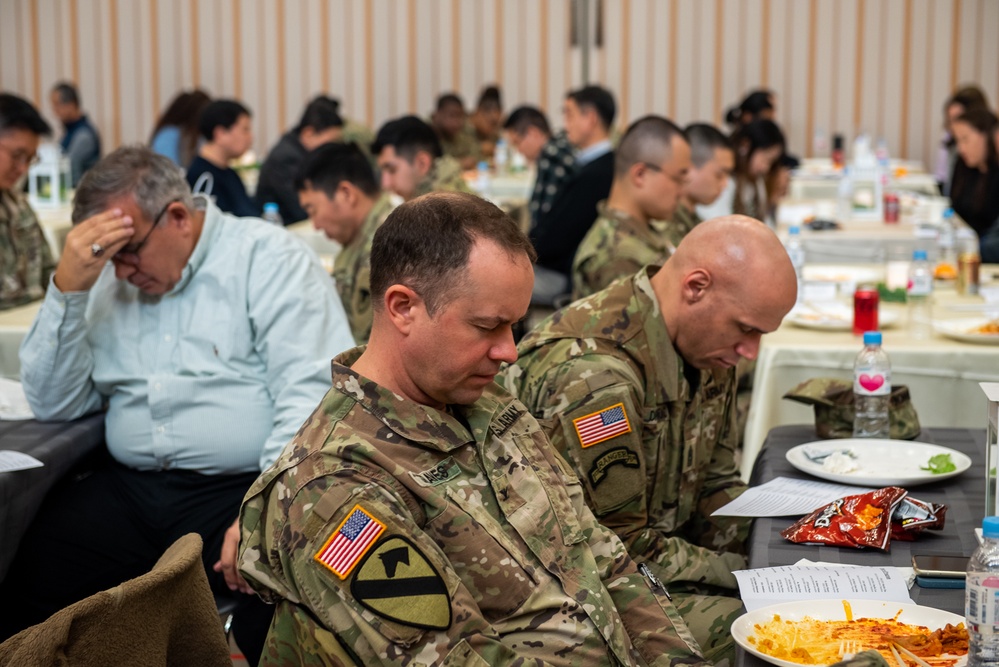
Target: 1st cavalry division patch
603, 425
396, 581
350, 542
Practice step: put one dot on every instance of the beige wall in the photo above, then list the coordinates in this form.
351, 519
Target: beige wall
881, 65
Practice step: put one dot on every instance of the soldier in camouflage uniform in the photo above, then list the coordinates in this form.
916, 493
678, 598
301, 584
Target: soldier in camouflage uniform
420, 515
338, 189
635, 385
650, 165
411, 162
25, 257
456, 134
712, 160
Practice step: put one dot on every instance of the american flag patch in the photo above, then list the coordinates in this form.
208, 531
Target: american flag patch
604, 425
351, 540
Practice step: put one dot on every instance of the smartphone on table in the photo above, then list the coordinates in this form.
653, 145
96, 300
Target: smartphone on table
940, 566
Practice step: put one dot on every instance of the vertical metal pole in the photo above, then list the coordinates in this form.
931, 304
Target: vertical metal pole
583, 22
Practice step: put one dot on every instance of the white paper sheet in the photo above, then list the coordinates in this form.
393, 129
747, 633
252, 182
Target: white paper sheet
11, 461
773, 585
784, 496
13, 403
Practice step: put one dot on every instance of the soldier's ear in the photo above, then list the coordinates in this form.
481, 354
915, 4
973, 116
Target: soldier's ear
403, 307
695, 285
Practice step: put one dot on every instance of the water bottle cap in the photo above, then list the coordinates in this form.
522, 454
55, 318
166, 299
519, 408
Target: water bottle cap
483, 166
919, 254
794, 230
948, 213
990, 526
872, 338
270, 207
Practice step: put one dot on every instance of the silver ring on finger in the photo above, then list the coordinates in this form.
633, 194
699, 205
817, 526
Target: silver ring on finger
96, 249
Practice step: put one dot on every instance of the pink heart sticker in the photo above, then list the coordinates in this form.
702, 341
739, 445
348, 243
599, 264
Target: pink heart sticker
870, 383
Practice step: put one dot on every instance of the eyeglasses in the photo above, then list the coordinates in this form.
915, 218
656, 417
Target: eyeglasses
21, 156
679, 179
136, 247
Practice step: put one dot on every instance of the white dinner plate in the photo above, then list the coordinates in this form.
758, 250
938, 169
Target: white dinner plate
879, 462
962, 330
833, 316
832, 610
836, 273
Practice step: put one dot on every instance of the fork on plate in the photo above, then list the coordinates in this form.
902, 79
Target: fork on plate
849, 648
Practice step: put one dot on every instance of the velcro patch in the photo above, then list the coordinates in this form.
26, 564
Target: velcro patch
350, 542
617, 456
603, 425
396, 581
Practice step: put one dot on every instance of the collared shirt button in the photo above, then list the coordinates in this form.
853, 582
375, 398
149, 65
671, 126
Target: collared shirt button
160, 429
168, 338
157, 386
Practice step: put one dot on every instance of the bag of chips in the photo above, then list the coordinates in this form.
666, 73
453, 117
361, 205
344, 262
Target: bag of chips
860, 521
913, 516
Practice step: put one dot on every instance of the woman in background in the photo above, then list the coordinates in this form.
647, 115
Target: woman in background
964, 99
974, 191
176, 133
758, 105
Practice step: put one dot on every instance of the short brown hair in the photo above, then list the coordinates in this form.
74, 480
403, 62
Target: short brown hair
425, 244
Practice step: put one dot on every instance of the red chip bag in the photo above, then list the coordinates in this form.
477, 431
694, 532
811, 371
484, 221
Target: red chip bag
913, 516
859, 521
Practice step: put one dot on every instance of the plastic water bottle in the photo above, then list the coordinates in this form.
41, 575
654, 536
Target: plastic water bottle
918, 295
844, 196
271, 214
483, 182
883, 156
796, 251
501, 157
871, 389
981, 598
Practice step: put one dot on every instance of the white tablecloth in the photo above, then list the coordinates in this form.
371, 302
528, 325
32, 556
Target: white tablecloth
942, 374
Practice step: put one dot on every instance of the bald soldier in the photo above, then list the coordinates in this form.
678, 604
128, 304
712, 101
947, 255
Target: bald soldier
650, 166
420, 515
635, 386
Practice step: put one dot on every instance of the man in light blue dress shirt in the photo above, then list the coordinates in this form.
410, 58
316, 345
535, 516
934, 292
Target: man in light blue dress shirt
207, 337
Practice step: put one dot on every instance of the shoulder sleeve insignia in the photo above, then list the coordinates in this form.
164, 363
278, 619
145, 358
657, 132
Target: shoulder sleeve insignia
350, 542
603, 425
617, 456
397, 582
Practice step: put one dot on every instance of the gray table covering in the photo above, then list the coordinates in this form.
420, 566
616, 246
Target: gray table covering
963, 495
59, 446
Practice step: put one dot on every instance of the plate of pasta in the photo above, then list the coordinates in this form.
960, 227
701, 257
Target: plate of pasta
970, 330
813, 632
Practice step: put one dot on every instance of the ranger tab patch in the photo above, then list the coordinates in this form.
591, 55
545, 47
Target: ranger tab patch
396, 581
603, 425
350, 542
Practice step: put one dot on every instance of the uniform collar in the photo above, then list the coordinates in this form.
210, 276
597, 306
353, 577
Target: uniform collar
652, 232
442, 430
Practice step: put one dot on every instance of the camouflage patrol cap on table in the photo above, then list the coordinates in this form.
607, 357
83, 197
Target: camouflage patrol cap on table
832, 399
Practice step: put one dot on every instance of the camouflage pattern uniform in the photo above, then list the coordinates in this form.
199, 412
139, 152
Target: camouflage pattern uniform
486, 552
683, 221
25, 256
617, 246
352, 271
657, 481
464, 144
444, 176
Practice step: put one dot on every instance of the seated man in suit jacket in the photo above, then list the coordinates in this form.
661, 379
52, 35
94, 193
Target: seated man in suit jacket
558, 231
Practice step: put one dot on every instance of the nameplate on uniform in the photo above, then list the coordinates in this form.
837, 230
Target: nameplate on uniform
397, 581
349, 542
617, 456
444, 471
603, 425
505, 420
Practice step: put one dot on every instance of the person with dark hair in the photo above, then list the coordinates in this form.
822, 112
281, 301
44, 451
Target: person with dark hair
81, 143
965, 98
207, 339
420, 515
456, 136
25, 257
758, 146
225, 128
650, 167
635, 387
338, 190
712, 161
320, 124
527, 131
974, 192
412, 162
757, 105
176, 133
487, 119
569, 205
